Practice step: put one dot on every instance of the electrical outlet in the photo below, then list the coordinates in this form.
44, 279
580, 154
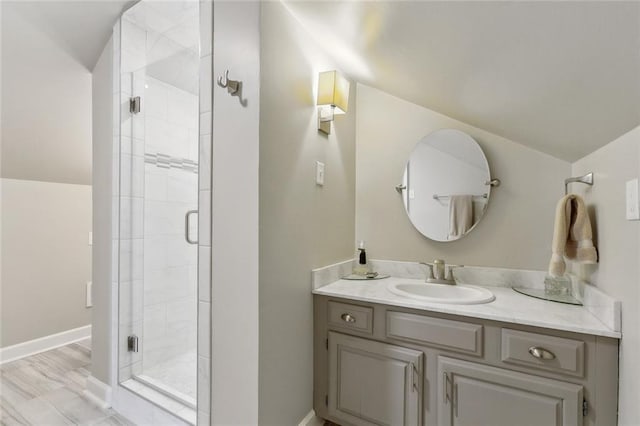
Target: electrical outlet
633, 206
89, 294
319, 173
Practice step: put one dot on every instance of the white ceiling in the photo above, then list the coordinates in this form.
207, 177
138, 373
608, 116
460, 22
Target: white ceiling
560, 77
81, 28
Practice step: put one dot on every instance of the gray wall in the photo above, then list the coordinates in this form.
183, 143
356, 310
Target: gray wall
46, 258
302, 226
102, 211
234, 206
46, 106
46, 171
618, 244
518, 224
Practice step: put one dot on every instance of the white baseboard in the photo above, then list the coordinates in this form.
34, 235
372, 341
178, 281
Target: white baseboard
32, 347
311, 420
98, 392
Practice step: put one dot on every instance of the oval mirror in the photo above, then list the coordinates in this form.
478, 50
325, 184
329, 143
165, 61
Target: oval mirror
446, 185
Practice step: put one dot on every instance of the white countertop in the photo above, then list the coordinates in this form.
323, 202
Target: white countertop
508, 306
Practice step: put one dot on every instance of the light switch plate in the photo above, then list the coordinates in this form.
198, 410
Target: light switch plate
319, 173
633, 206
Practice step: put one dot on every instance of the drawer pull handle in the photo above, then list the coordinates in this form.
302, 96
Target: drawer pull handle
541, 353
348, 318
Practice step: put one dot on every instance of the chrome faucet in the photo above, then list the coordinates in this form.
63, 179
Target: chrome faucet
438, 272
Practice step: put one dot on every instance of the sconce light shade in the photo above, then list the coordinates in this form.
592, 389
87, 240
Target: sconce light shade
333, 98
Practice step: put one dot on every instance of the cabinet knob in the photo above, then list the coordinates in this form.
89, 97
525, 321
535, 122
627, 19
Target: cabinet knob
541, 353
348, 318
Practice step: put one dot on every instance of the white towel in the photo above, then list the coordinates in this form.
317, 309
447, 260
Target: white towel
460, 215
572, 235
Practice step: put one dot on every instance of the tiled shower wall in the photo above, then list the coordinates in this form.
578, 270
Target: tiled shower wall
171, 190
133, 224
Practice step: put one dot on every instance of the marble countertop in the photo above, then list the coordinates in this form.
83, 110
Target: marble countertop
508, 306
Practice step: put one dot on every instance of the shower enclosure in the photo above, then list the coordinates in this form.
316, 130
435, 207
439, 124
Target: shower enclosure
162, 188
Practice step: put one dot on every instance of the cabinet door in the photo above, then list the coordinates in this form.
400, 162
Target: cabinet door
471, 394
373, 383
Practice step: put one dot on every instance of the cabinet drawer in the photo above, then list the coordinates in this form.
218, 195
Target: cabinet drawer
352, 317
543, 352
454, 335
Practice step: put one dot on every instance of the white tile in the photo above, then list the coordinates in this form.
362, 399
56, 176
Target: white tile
156, 218
133, 37
205, 123
132, 60
204, 273
132, 146
132, 176
126, 83
131, 301
138, 126
182, 317
131, 258
160, 48
156, 99
155, 183
205, 84
182, 108
204, 384
204, 163
204, 218
206, 24
155, 287
155, 253
182, 186
204, 329
131, 217
179, 252
203, 418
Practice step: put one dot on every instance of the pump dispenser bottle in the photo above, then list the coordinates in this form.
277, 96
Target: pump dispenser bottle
361, 266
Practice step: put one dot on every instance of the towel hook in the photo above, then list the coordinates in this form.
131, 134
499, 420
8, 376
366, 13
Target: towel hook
586, 179
233, 86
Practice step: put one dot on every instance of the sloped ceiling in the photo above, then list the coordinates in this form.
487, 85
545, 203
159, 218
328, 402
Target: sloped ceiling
559, 77
81, 28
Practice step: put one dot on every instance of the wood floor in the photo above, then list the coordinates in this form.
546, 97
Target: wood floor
47, 389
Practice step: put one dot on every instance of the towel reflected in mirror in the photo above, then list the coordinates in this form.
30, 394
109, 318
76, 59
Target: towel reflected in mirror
460, 215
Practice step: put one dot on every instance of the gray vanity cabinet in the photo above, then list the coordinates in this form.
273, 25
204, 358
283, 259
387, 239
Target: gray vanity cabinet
377, 364
472, 394
373, 383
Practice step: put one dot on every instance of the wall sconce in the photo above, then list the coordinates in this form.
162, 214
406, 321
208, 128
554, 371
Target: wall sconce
333, 98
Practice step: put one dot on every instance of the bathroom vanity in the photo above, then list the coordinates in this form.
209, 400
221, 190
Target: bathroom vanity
383, 359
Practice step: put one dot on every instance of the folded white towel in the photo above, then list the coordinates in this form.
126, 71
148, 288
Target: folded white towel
460, 215
572, 235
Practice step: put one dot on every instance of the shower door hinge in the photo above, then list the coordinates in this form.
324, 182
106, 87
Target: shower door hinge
132, 343
134, 105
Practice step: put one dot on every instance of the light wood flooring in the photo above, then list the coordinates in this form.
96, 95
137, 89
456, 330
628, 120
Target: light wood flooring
47, 389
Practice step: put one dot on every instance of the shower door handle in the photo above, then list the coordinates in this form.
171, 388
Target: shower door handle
187, 221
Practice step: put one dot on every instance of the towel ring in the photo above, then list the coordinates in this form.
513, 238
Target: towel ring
586, 179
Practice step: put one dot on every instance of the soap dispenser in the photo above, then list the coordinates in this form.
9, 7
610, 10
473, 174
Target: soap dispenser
361, 267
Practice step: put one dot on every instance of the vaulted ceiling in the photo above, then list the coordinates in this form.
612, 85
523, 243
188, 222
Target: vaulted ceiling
81, 28
560, 77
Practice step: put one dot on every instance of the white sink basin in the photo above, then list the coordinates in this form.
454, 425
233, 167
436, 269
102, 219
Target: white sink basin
443, 293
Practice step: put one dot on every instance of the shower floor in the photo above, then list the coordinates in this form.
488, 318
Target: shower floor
177, 376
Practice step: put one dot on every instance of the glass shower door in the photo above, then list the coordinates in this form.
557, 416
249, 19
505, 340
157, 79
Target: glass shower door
159, 199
